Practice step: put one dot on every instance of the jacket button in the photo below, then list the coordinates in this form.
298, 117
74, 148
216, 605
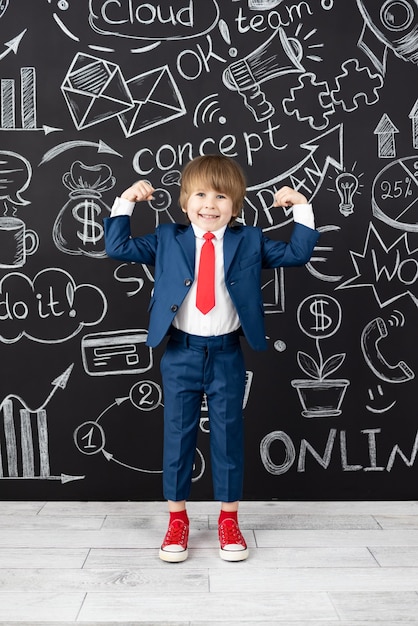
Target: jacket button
188, 282
174, 307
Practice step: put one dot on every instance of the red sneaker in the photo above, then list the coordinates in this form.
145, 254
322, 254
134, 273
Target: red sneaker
174, 546
233, 546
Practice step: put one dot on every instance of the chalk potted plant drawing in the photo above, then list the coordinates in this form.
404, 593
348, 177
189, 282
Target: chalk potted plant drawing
319, 395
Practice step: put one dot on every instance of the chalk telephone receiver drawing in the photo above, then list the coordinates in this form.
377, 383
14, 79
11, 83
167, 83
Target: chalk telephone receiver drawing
371, 336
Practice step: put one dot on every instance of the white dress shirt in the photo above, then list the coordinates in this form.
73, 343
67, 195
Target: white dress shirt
223, 318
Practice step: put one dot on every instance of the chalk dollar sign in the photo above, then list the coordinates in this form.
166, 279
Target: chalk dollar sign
86, 213
322, 320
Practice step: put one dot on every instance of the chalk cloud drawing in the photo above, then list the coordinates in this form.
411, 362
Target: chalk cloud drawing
25, 434
51, 308
78, 227
319, 316
390, 271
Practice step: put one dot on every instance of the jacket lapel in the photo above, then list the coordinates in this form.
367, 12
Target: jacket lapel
186, 240
232, 239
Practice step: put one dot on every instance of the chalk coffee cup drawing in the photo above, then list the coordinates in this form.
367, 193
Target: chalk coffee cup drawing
16, 242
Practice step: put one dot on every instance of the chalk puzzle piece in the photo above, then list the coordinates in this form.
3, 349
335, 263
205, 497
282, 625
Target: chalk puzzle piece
356, 83
310, 101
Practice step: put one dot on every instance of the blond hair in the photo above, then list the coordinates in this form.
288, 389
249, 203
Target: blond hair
218, 172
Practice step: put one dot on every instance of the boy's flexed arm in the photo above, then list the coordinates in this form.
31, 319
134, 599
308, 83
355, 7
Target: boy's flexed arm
302, 210
118, 239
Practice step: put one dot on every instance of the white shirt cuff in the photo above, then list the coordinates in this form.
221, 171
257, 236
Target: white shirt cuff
121, 206
303, 214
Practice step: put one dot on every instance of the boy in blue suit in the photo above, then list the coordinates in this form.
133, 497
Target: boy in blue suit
203, 354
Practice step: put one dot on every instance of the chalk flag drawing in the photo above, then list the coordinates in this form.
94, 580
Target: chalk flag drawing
319, 395
30, 460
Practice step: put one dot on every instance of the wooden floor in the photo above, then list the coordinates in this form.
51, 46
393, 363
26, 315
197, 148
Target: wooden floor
310, 563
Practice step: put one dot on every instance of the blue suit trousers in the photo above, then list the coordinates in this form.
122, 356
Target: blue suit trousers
191, 367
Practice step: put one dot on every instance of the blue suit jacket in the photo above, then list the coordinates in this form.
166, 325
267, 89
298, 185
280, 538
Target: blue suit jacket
171, 250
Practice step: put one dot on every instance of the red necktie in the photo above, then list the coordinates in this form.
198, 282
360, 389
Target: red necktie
205, 294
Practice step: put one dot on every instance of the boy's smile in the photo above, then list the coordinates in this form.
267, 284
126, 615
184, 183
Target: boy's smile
209, 209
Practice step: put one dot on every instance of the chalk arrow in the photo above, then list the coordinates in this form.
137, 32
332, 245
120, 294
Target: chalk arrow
60, 381
13, 44
62, 478
101, 146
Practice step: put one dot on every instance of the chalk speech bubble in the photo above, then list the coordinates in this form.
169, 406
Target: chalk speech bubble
152, 21
51, 308
15, 176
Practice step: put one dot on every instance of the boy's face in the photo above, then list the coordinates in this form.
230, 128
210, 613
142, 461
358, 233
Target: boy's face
209, 209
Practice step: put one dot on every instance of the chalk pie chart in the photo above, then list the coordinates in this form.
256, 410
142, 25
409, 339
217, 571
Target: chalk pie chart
395, 195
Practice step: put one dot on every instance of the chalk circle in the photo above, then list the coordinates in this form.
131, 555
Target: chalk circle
199, 466
319, 316
396, 15
161, 201
89, 438
146, 395
3, 6
280, 345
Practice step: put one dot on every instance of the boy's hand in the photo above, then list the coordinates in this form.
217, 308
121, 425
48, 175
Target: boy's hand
286, 196
141, 190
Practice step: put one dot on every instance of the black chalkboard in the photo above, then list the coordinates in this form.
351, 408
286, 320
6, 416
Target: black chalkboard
320, 95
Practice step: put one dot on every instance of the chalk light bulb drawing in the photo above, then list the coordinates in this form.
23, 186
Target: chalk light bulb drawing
347, 185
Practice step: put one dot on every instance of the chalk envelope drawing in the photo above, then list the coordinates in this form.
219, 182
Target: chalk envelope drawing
95, 90
157, 100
